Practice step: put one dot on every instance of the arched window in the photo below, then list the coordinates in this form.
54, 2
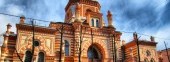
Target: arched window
92, 22
41, 57
28, 56
97, 23
146, 60
148, 53
66, 48
152, 60
88, 10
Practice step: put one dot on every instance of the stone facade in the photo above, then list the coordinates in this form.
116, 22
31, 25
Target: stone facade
78, 22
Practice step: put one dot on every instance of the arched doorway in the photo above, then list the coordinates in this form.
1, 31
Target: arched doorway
94, 54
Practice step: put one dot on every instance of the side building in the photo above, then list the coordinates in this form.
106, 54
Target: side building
163, 55
147, 50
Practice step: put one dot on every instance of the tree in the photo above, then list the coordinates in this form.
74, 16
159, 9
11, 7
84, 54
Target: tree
81, 40
61, 30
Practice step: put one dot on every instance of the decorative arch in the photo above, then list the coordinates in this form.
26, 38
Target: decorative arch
41, 46
88, 10
102, 45
94, 52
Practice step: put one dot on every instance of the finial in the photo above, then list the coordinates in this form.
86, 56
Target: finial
109, 13
22, 19
152, 39
109, 18
9, 25
77, 6
134, 35
8, 28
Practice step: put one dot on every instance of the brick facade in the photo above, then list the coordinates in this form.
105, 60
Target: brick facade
82, 19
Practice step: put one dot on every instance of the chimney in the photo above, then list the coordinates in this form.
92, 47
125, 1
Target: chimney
152, 39
22, 19
135, 36
109, 18
8, 28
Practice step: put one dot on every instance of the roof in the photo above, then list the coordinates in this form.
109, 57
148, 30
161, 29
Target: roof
37, 28
165, 49
141, 42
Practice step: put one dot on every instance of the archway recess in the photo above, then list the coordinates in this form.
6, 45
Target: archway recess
94, 54
100, 46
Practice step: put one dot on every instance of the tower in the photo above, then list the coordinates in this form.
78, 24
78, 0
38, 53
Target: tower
86, 10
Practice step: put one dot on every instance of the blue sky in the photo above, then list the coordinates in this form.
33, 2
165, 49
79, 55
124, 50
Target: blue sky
149, 17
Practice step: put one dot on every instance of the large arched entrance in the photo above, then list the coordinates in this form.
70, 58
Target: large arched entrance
94, 54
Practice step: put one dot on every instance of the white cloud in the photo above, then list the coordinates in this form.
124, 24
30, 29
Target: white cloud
4, 19
163, 35
14, 10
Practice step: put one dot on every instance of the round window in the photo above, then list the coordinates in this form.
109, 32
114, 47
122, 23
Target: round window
36, 43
